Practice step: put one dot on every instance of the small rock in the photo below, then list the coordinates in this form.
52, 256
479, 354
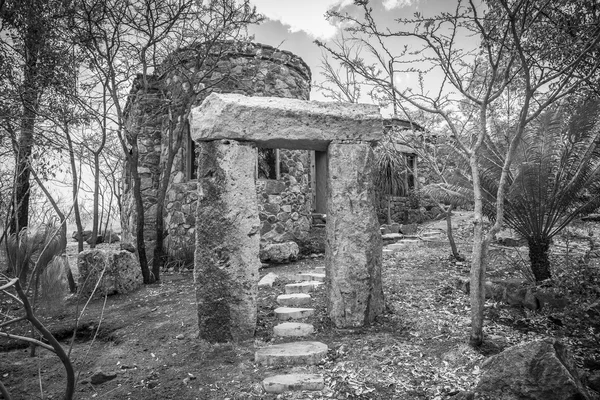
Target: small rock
100, 377
268, 280
181, 336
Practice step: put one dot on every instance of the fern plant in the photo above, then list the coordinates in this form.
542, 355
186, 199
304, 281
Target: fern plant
555, 180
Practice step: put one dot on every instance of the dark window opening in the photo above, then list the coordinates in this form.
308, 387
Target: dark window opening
192, 158
268, 163
411, 165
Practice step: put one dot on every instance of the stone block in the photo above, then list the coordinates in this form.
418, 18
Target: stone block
279, 252
353, 249
284, 123
293, 382
227, 242
118, 272
294, 353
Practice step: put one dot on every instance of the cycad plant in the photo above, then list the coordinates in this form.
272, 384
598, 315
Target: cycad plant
555, 180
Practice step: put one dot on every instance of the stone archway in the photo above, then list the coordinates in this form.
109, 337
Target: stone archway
227, 128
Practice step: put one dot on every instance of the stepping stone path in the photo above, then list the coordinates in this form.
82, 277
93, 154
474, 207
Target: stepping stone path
296, 353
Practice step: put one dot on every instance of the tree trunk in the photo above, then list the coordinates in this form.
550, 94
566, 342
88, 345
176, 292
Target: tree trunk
20, 218
139, 208
478, 260
95, 221
455, 253
389, 209
538, 255
75, 191
159, 256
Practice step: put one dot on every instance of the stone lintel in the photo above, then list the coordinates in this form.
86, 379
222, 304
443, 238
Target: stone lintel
275, 122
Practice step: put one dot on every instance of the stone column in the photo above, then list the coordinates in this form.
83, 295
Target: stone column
227, 241
353, 246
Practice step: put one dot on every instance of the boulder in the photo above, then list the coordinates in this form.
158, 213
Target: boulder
128, 247
275, 122
117, 270
353, 253
99, 239
279, 252
86, 235
409, 229
539, 370
110, 237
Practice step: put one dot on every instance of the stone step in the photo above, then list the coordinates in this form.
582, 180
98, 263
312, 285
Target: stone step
312, 276
286, 313
320, 269
302, 287
294, 299
404, 244
290, 382
293, 353
287, 329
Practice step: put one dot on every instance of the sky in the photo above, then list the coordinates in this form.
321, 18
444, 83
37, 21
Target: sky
293, 25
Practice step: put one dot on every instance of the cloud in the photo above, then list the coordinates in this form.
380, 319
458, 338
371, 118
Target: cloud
303, 15
390, 4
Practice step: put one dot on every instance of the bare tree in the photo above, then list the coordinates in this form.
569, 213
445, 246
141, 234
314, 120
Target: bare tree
505, 63
125, 39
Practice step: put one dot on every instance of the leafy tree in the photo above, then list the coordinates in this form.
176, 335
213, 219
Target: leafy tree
33, 59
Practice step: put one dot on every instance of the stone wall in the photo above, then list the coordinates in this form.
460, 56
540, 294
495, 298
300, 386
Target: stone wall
180, 219
285, 204
407, 210
186, 77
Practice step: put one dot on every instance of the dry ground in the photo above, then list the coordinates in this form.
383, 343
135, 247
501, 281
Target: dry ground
416, 350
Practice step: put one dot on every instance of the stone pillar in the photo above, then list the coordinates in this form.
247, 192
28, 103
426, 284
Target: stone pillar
353, 246
227, 241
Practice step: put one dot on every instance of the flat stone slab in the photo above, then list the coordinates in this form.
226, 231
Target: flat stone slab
293, 353
283, 123
312, 276
294, 300
287, 329
392, 236
292, 382
404, 244
286, 313
268, 280
302, 287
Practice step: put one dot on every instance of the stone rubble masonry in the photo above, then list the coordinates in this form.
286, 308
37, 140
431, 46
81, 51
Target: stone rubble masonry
118, 271
289, 123
227, 242
180, 219
185, 78
285, 205
354, 246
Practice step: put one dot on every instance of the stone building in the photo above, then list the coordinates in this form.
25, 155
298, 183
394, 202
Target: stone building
286, 189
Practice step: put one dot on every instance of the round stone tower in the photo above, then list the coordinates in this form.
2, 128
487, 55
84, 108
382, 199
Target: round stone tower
158, 114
